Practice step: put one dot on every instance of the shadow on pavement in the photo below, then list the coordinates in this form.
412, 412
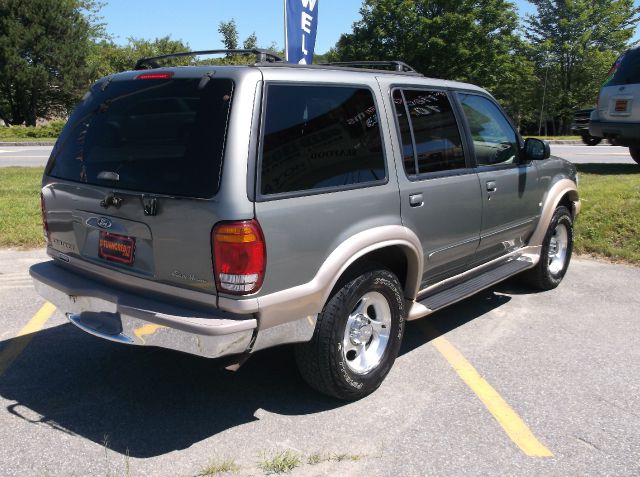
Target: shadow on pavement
148, 402
608, 169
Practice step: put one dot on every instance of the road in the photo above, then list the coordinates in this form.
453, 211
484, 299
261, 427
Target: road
27, 156
565, 363
31, 156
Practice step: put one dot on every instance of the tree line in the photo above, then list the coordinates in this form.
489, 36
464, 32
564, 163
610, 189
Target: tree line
541, 67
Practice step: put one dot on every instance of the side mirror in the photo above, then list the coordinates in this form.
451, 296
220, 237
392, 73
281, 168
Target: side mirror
536, 149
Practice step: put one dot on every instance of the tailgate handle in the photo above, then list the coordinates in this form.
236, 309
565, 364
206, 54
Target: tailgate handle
492, 186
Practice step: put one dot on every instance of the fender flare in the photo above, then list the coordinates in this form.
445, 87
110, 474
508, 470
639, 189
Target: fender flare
557, 192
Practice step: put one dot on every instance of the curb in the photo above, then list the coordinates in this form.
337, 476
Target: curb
33, 143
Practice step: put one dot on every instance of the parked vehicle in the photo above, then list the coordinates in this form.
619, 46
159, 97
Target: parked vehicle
617, 116
580, 127
222, 210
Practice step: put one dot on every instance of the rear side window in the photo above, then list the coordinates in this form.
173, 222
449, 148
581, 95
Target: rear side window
626, 69
320, 137
163, 136
435, 144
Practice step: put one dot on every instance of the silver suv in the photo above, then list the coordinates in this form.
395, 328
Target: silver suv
222, 210
617, 116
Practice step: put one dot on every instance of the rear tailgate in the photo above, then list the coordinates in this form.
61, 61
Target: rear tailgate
131, 184
619, 99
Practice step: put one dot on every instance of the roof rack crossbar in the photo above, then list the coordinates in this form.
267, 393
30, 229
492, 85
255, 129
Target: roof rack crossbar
399, 66
262, 56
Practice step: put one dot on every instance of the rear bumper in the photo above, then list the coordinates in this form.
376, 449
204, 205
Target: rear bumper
625, 134
127, 318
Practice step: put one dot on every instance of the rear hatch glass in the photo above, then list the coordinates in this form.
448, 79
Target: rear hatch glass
160, 135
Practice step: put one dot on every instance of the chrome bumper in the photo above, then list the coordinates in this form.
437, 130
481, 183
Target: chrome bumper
127, 318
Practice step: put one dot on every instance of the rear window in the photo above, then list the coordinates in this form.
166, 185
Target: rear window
164, 136
626, 69
320, 137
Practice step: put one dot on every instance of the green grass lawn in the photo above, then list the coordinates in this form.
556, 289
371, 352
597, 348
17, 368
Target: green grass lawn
20, 222
608, 226
26, 139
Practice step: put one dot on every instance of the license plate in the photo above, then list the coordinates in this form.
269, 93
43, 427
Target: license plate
117, 248
621, 106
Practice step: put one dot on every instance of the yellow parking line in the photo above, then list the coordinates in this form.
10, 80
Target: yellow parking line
512, 424
26, 334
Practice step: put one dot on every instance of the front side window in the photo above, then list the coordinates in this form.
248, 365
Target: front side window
494, 139
319, 137
436, 138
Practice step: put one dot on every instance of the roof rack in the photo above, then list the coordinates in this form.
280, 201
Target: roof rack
262, 56
399, 66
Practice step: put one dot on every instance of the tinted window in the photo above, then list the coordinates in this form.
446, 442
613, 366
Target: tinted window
494, 139
408, 156
626, 69
319, 137
438, 146
159, 135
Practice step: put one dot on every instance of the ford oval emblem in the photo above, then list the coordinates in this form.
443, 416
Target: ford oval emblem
104, 223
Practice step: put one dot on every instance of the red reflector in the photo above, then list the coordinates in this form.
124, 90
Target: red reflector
151, 76
239, 256
45, 225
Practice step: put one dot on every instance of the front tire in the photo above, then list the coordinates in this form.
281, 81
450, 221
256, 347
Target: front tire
635, 153
555, 254
357, 337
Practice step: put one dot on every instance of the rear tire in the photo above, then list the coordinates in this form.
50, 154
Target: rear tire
591, 140
635, 153
555, 254
357, 337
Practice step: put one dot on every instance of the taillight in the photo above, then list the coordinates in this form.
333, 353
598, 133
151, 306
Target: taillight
45, 225
239, 256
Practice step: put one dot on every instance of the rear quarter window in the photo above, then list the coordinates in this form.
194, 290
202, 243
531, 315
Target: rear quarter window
319, 137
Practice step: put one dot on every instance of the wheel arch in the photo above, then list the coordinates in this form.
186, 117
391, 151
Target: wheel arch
564, 192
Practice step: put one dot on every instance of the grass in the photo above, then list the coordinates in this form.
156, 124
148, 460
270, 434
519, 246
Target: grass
20, 218
608, 226
281, 463
609, 223
47, 132
217, 468
26, 139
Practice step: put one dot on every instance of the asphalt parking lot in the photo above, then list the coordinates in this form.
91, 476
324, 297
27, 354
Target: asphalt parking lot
505, 383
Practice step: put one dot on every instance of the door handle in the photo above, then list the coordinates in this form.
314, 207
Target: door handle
415, 200
492, 186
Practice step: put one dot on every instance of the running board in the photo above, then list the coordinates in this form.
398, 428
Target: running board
455, 293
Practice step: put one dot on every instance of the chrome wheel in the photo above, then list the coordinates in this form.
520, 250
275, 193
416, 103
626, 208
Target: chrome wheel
558, 246
366, 334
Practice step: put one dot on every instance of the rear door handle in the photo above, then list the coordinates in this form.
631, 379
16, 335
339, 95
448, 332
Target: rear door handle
415, 200
492, 186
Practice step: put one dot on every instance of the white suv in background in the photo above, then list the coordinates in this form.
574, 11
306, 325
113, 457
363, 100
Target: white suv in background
617, 116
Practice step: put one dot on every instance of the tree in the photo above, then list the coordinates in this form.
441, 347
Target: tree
251, 42
44, 45
229, 32
468, 40
574, 44
107, 58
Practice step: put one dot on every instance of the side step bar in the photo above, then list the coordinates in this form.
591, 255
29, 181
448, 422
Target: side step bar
460, 291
